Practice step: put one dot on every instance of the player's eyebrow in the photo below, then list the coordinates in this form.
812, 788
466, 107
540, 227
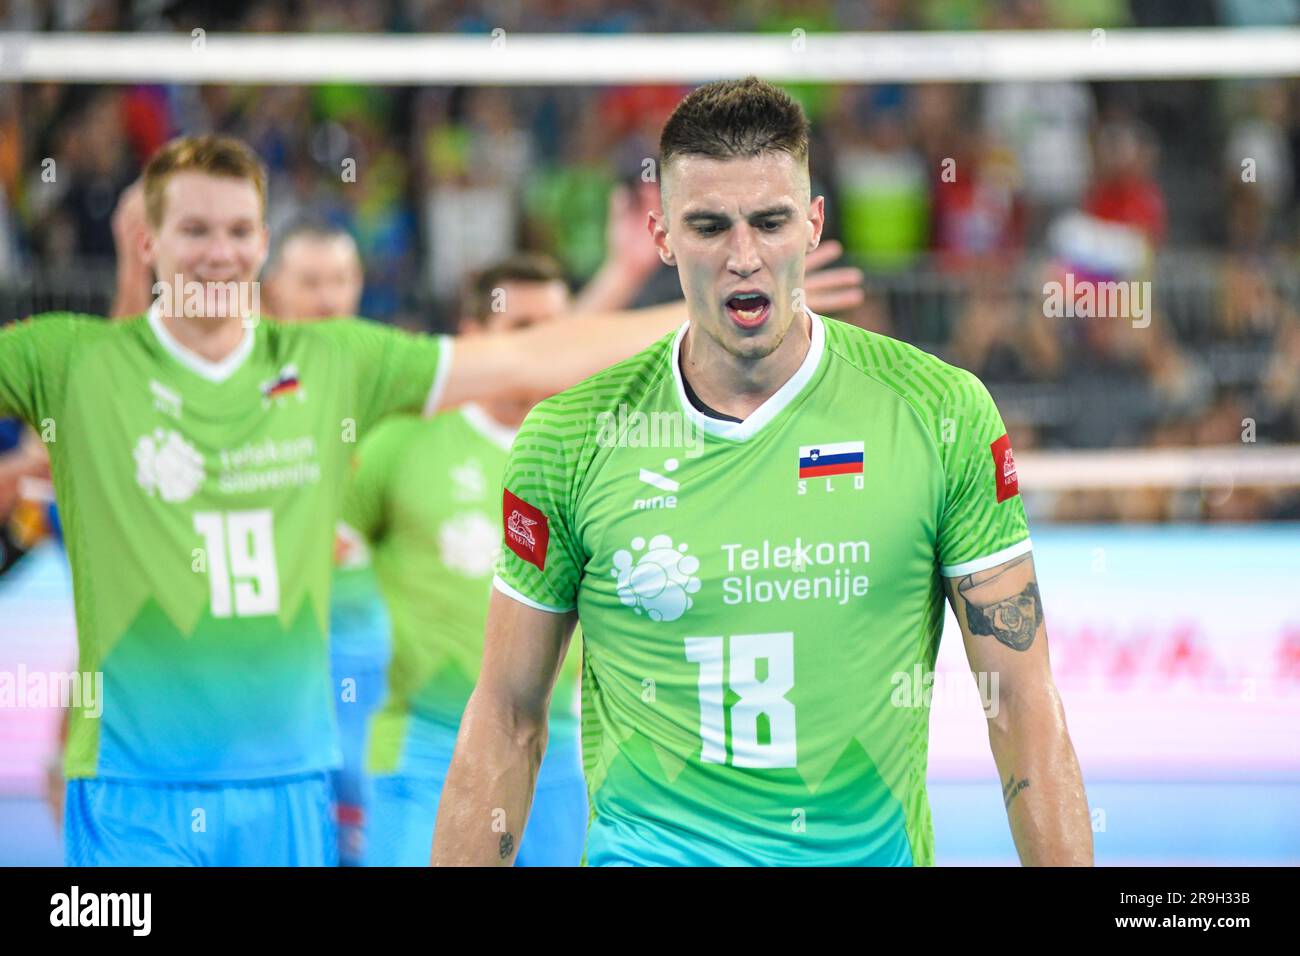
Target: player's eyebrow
693, 218
780, 209
704, 216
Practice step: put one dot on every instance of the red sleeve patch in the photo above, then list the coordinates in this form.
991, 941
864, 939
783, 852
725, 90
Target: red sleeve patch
1004, 469
527, 530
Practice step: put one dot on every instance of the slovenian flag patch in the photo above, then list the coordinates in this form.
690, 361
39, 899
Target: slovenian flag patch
840, 458
286, 383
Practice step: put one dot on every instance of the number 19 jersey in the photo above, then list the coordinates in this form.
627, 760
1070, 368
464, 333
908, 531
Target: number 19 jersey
199, 501
752, 595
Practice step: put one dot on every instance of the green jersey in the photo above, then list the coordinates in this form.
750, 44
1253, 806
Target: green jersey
198, 500
426, 495
752, 593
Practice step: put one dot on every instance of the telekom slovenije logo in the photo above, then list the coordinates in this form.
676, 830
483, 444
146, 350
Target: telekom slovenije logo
167, 465
1004, 469
527, 530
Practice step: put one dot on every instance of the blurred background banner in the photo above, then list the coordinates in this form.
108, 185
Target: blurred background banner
1090, 204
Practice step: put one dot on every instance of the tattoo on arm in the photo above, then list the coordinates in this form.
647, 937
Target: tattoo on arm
507, 845
1012, 618
1011, 789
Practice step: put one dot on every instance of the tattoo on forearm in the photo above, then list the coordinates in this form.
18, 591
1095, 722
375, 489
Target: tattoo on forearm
507, 845
1011, 789
1013, 620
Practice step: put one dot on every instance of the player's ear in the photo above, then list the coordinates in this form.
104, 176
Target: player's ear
657, 225
147, 246
816, 222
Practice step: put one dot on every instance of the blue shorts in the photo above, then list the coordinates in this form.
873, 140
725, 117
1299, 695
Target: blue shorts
404, 807
282, 822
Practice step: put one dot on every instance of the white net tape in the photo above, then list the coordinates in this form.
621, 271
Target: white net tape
501, 58
1253, 466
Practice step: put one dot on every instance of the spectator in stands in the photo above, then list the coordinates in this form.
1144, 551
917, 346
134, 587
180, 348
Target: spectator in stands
1125, 189
883, 183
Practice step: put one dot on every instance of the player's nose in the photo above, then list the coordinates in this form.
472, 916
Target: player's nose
220, 251
743, 251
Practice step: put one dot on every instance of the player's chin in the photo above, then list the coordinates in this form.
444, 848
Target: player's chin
753, 343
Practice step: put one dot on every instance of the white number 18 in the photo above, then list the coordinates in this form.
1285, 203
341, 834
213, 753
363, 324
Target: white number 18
757, 698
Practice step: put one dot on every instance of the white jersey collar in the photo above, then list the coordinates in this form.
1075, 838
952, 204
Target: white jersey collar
478, 418
776, 402
212, 371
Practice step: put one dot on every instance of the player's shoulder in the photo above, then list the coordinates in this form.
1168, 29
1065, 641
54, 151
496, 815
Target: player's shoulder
918, 376
329, 332
340, 329
625, 383
72, 324
74, 335
337, 339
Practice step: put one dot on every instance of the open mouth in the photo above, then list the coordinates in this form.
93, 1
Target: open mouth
749, 309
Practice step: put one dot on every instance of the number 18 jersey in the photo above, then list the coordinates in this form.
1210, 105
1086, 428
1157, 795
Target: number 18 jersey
753, 595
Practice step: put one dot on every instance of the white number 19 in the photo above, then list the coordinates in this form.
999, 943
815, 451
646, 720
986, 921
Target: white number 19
241, 551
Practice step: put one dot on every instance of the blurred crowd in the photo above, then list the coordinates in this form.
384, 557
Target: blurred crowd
959, 201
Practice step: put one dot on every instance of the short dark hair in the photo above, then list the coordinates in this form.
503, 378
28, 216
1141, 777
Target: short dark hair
735, 118
480, 291
313, 226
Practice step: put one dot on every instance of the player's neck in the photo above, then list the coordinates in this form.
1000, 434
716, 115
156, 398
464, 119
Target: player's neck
508, 413
737, 386
208, 338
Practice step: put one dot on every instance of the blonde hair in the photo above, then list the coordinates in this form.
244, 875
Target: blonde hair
212, 154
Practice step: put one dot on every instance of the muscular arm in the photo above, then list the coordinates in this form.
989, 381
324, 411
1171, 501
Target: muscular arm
1001, 617
550, 356
489, 787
